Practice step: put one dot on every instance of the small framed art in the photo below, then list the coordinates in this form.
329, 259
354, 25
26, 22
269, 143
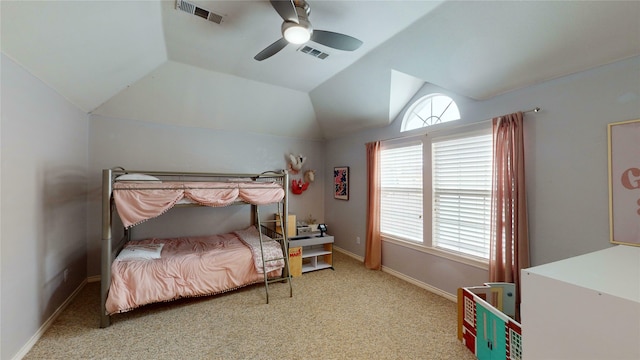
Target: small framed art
341, 182
624, 182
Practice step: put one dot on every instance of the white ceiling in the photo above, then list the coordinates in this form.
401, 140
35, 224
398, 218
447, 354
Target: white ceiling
147, 61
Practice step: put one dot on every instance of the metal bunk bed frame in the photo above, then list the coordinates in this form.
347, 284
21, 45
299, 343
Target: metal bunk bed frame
108, 249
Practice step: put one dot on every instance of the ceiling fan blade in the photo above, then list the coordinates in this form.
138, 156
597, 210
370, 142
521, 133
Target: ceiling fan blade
286, 9
335, 40
271, 50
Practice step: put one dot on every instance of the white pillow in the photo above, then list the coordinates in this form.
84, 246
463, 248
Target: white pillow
146, 251
137, 177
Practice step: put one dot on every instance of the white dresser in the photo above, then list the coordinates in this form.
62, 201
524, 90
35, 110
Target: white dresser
584, 307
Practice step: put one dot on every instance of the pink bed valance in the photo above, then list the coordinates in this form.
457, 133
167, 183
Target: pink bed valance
140, 201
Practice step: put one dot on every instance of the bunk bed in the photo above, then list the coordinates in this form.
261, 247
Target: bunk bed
141, 272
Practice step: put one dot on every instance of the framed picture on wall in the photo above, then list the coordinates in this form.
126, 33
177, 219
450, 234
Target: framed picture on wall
624, 182
341, 182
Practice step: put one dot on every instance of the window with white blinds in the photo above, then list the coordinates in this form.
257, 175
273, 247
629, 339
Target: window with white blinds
462, 194
401, 192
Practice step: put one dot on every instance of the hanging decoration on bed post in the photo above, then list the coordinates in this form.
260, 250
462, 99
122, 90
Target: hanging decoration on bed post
298, 186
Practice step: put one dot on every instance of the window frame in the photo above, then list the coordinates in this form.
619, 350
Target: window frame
440, 134
410, 113
402, 143
462, 135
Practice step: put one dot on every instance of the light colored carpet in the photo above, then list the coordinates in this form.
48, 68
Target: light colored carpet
346, 313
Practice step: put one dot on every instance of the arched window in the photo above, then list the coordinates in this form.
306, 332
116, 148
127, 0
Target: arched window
429, 110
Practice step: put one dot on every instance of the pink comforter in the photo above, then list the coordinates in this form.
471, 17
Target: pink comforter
189, 266
140, 201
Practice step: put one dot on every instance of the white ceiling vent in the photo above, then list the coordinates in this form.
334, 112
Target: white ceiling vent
198, 11
313, 52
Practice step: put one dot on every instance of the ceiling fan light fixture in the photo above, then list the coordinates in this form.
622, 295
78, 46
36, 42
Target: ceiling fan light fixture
296, 33
296, 29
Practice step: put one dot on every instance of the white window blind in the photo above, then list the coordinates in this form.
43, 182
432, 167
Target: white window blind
462, 194
401, 192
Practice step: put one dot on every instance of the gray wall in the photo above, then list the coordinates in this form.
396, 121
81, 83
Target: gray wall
566, 164
146, 146
43, 204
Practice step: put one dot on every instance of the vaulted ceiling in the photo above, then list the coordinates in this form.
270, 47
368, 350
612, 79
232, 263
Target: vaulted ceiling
149, 61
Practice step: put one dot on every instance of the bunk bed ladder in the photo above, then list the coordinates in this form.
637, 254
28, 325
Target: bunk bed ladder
282, 240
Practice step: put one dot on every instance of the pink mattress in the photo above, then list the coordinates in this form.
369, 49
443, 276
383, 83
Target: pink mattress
138, 201
188, 267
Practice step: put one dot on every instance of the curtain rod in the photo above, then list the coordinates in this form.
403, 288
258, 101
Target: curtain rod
534, 110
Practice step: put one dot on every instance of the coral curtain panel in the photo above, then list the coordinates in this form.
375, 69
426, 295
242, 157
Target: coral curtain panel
510, 241
373, 250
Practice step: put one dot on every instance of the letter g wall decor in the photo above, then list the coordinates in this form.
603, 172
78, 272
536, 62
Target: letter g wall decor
624, 182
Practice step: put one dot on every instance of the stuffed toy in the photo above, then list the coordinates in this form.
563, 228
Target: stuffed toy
296, 162
298, 186
309, 176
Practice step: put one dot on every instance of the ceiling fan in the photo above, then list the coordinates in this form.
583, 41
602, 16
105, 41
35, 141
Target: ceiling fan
296, 29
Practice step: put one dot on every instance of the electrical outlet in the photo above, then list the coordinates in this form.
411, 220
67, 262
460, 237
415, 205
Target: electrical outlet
65, 275
357, 239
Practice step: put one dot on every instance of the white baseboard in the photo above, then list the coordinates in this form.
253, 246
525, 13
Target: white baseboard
404, 277
350, 254
421, 284
25, 349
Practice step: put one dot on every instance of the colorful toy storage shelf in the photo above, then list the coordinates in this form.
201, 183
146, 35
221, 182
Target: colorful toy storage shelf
486, 322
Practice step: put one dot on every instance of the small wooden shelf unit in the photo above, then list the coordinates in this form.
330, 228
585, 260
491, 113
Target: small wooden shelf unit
309, 253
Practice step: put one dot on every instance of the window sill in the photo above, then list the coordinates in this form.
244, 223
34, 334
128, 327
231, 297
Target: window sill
467, 260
